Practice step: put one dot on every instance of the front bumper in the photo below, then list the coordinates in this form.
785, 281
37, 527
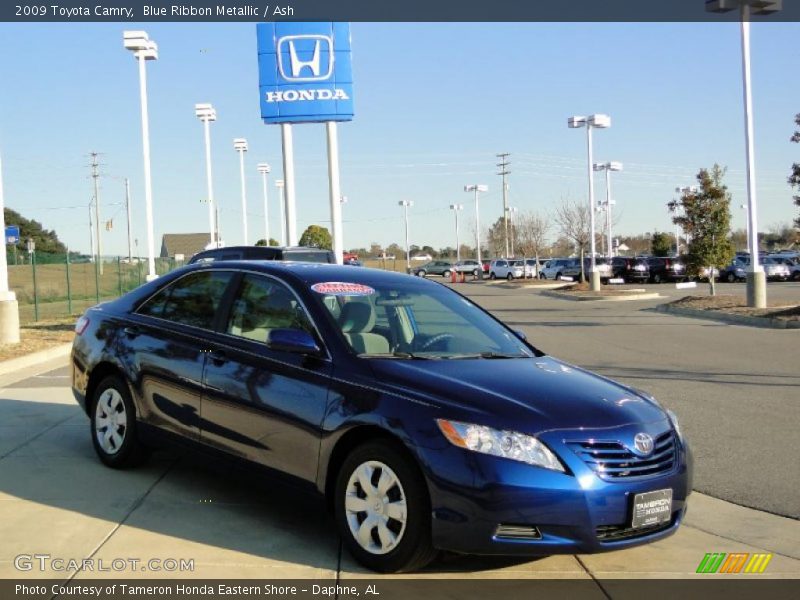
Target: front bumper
574, 512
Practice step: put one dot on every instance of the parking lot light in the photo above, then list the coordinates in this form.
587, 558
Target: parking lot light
265, 169
477, 188
145, 49
240, 145
281, 203
405, 204
511, 210
206, 113
756, 279
597, 121
608, 167
455, 208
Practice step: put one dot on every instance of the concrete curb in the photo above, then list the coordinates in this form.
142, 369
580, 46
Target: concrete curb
762, 322
36, 358
574, 298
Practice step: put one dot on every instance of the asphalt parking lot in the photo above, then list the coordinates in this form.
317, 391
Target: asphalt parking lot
735, 389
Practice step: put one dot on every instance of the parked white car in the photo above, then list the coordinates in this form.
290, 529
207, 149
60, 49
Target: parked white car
503, 268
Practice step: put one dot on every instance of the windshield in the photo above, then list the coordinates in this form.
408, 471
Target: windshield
411, 321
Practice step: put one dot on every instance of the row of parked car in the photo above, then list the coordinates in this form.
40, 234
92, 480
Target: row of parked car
637, 269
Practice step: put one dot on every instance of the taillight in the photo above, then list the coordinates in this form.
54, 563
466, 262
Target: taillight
81, 325
667, 263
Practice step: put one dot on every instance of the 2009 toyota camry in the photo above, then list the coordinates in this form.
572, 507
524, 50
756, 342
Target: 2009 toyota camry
426, 422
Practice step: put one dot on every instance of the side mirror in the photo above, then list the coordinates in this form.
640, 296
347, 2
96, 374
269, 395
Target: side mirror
297, 341
521, 335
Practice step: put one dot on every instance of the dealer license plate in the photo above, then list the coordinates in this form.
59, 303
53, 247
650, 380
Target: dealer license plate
652, 508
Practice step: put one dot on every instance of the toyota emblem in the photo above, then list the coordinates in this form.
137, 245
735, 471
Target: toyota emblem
643, 443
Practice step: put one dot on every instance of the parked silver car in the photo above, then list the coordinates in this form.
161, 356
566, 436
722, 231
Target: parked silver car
504, 268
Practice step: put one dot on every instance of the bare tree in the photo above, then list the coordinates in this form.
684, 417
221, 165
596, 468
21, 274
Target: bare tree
573, 220
531, 231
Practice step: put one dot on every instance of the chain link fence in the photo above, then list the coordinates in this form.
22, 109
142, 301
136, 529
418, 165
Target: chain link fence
51, 286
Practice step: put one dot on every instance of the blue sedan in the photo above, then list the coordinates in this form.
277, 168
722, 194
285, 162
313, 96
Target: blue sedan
427, 423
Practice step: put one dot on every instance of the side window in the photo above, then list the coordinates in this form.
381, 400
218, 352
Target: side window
262, 305
192, 300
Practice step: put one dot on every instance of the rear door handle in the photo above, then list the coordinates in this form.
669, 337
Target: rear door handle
218, 357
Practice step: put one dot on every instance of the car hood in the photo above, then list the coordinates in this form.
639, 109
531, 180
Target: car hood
530, 394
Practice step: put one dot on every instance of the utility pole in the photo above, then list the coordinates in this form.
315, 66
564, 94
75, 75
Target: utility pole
95, 177
504, 164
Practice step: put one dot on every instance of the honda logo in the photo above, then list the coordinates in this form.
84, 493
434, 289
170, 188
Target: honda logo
301, 67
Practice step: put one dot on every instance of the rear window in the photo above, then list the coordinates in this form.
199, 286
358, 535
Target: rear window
321, 256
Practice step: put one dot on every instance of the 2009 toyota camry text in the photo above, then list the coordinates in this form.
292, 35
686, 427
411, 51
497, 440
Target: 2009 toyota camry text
427, 423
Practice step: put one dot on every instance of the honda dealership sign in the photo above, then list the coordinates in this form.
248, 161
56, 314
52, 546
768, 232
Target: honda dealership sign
304, 72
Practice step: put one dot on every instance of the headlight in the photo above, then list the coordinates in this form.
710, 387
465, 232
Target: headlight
507, 444
674, 419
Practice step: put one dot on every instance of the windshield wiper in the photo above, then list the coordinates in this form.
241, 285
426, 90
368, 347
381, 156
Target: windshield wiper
395, 354
488, 355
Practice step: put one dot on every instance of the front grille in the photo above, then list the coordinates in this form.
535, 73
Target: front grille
613, 533
612, 460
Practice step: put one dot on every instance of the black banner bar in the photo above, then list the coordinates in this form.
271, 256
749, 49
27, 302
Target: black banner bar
377, 10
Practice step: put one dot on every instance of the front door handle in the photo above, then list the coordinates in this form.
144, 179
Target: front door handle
131, 332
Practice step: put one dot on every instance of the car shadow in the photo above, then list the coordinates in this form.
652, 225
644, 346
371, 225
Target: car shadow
48, 460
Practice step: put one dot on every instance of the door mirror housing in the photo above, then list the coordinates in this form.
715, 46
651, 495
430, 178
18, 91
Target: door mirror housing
521, 335
297, 341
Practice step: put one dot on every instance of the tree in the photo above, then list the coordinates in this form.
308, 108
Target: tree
375, 249
573, 220
707, 219
661, 244
46, 240
531, 231
496, 238
316, 236
263, 242
794, 178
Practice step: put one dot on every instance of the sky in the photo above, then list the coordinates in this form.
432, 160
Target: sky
434, 104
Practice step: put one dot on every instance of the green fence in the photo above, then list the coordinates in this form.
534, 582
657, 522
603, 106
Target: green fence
50, 286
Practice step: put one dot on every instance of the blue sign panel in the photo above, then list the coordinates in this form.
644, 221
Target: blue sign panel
12, 234
304, 72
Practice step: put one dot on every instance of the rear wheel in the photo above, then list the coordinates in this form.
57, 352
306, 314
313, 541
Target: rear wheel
113, 425
422, 273
446, 274
382, 509
510, 276
731, 278
475, 273
492, 275
657, 278
558, 276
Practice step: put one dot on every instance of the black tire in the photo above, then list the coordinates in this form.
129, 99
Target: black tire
446, 274
510, 276
421, 273
415, 549
475, 273
130, 452
492, 275
558, 277
731, 277
657, 278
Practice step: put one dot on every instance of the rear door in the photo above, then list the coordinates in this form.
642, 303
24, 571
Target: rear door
262, 404
164, 346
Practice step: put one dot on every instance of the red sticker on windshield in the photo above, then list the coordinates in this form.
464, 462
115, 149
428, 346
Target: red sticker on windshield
339, 288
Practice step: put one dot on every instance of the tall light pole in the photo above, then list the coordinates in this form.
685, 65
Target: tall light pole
756, 278
145, 49
746, 221
405, 204
206, 113
477, 188
240, 145
265, 169
456, 208
9, 308
608, 167
598, 121
682, 191
282, 210
504, 172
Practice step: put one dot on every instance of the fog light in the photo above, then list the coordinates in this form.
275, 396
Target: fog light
517, 532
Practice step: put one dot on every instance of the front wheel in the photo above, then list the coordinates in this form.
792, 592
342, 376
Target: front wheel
446, 274
421, 273
382, 509
656, 278
510, 276
731, 278
475, 273
113, 425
